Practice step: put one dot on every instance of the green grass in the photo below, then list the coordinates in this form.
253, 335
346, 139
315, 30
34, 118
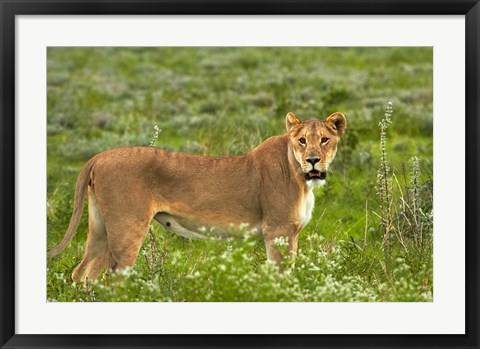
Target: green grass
222, 101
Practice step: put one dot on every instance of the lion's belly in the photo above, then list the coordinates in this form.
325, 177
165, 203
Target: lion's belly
191, 229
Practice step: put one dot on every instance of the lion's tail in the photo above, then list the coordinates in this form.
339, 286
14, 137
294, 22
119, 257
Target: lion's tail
80, 190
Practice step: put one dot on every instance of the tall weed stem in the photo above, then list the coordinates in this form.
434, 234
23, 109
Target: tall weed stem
415, 195
383, 177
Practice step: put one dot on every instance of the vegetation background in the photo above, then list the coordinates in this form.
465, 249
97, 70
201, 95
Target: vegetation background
371, 236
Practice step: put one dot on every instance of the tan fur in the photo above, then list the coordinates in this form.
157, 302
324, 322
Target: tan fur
266, 188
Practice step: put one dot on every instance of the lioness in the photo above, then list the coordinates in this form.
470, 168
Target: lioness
270, 188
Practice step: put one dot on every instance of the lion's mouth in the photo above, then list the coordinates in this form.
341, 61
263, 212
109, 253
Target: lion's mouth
314, 174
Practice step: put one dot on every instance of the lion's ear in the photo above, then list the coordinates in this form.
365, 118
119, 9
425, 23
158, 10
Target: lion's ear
291, 121
338, 122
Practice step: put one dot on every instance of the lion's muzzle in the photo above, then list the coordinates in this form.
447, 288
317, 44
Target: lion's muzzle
314, 174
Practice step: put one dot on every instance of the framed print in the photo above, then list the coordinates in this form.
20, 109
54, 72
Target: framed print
255, 174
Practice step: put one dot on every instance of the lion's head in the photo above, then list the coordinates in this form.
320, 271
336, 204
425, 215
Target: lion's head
314, 143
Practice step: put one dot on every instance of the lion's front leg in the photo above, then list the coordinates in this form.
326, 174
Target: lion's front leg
281, 239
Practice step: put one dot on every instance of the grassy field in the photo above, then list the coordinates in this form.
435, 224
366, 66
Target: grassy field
364, 243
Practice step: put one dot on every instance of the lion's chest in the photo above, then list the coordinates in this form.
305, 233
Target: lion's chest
305, 209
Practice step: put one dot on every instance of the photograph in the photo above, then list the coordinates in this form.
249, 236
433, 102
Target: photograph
240, 174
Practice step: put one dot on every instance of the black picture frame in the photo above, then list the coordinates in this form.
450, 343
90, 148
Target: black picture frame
11, 8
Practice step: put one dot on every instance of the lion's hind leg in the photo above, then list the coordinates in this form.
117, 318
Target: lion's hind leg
126, 232
97, 252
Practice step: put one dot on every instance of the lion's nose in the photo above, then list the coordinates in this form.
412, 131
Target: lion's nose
313, 160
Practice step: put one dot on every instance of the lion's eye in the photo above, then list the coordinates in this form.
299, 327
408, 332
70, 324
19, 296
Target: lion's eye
302, 141
324, 139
